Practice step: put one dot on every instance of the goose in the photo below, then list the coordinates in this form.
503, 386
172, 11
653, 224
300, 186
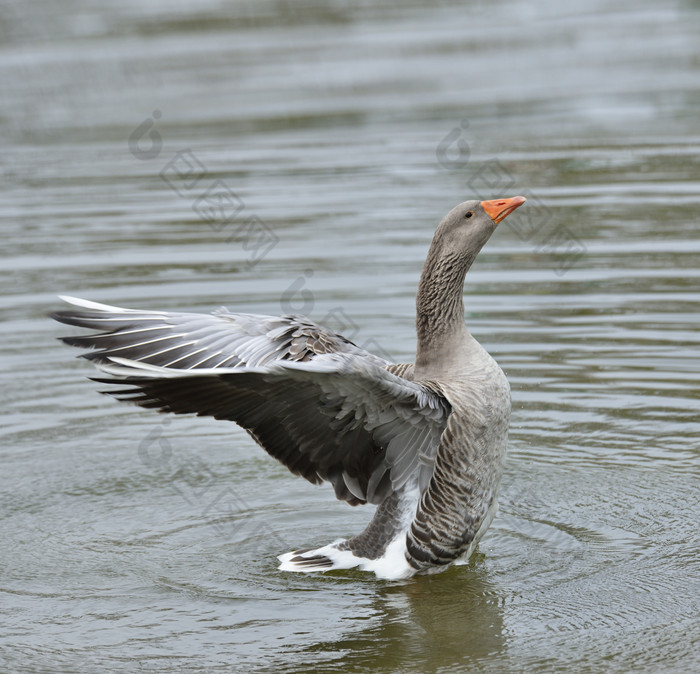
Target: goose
425, 442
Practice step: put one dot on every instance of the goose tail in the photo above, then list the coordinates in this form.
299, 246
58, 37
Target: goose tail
326, 558
392, 565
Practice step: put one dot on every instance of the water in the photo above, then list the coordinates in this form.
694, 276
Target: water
339, 134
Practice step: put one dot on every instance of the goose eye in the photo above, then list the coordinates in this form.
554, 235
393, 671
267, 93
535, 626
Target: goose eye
468, 215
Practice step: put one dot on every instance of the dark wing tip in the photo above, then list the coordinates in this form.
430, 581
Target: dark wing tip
81, 319
67, 317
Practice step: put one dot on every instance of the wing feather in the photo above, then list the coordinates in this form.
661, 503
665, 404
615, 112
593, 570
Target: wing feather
325, 408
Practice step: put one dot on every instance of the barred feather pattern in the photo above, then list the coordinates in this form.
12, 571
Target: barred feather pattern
425, 441
384, 526
455, 509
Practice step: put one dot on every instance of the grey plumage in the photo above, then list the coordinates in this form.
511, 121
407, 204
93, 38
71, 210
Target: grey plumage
315, 401
424, 442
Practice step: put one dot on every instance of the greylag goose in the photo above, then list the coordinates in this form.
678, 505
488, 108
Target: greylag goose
425, 442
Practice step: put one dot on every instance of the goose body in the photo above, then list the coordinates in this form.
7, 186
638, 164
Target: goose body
425, 442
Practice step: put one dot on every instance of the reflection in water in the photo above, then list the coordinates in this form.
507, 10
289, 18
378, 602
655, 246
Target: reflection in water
295, 156
453, 618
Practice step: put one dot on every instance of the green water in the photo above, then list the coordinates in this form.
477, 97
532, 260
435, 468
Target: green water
296, 156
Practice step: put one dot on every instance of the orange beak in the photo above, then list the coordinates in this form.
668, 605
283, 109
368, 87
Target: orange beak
498, 209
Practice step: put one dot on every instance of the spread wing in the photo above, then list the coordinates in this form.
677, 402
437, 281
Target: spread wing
325, 408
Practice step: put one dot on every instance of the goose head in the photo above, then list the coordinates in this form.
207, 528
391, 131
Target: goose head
465, 230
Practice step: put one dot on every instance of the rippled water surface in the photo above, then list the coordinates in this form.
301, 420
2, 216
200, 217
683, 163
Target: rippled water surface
296, 156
